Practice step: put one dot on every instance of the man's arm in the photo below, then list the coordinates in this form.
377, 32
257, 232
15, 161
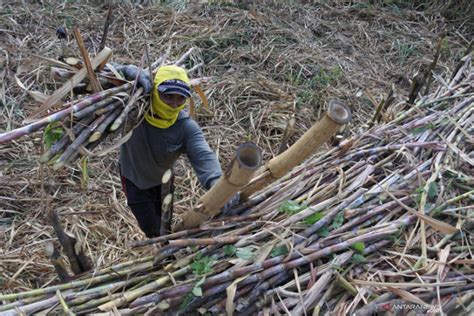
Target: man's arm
203, 159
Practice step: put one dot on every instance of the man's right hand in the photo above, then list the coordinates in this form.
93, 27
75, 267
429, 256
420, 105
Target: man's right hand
130, 72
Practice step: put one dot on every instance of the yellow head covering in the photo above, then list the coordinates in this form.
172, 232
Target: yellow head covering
162, 115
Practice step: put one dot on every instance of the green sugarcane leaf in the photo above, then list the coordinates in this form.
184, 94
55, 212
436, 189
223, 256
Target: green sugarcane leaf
202, 265
358, 246
338, 220
245, 253
313, 218
229, 250
52, 133
323, 232
278, 251
291, 207
197, 291
185, 304
432, 190
358, 258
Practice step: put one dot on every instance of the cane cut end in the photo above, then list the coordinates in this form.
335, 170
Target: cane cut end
339, 112
249, 155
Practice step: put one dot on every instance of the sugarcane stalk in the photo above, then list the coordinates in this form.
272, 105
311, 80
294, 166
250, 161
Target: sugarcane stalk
270, 266
108, 21
57, 261
100, 129
66, 309
67, 242
246, 303
131, 295
95, 106
74, 147
318, 287
30, 128
76, 284
336, 116
428, 74
110, 107
121, 118
204, 241
85, 56
65, 139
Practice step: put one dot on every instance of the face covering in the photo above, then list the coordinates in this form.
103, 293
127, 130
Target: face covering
162, 115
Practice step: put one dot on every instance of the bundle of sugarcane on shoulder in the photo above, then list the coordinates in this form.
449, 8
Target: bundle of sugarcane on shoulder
115, 103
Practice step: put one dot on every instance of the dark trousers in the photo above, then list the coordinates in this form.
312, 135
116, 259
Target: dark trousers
146, 206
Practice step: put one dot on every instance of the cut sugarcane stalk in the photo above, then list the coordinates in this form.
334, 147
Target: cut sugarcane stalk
74, 147
103, 126
110, 107
119, 120
93, 107
56, 147
73, 61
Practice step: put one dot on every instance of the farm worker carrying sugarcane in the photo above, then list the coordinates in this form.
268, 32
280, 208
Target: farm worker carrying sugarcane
166, 132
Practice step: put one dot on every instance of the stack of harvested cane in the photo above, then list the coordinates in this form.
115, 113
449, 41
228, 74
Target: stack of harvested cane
85, 123
350, 231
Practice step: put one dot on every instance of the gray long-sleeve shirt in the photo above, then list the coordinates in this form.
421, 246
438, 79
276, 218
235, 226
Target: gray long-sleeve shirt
151, 151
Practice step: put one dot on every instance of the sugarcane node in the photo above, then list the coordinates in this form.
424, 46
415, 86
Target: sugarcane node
339, 112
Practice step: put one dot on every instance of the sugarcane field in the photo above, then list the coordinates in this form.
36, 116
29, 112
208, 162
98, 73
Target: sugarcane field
182, 157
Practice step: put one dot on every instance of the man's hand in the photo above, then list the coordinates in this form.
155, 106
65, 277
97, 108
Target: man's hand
233, 201
131, 71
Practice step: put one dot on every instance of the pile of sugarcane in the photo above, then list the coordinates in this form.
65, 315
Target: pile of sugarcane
381, 222
82, 124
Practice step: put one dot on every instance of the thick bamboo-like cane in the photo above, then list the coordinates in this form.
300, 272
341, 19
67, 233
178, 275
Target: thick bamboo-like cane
247, 160
30, 128
337, 115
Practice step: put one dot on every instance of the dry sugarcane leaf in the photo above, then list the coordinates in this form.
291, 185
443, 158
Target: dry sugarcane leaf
406, 284
407, 296
70, 84
197, 81
36, 95
230, 290
56, 62
192, 109
443, 258
436, 224
203, 97
264, 251
25, 66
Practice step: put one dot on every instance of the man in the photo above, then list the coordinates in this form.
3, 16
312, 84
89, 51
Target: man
166, 132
